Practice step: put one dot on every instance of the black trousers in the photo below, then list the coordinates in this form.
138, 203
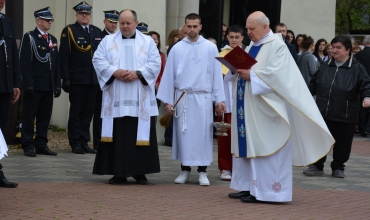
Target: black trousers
40, 105
97, 121
188, 168
343, 135
364, 120
4, 109
82, 99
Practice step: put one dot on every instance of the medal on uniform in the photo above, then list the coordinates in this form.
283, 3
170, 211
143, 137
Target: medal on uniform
39, 36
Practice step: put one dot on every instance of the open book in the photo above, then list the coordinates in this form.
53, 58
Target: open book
237, 58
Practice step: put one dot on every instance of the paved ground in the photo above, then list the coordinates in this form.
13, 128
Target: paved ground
63, 187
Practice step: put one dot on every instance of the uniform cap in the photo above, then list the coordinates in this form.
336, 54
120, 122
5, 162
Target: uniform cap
44, 13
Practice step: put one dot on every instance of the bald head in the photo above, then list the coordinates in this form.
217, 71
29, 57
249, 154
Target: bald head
257, 25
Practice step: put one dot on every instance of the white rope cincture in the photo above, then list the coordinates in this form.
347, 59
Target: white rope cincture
6, 54
37, 55
183, 110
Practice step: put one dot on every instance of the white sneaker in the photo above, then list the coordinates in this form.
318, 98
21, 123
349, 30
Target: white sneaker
225, 175
203, 180
184, 177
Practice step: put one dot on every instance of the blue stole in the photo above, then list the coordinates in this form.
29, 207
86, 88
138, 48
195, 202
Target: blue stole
242, 137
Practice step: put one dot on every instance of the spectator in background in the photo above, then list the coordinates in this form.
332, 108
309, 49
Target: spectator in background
290, 37
298, 44
224, 38
329, 55
319, 51
172, 38
364, 58
157, 40
356, 49
339, 85
212, 40
306, 61
282, 29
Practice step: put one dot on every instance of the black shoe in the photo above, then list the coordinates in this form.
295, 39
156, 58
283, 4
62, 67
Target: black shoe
45, 151
78, 150
117, 180
140, 179
5, 183
250, 199
239, 194
87, 149
363, 134
168, 143
29, 152
96, 147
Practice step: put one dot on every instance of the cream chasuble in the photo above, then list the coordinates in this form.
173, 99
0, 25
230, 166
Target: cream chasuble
127, 98
268, 127
282, 122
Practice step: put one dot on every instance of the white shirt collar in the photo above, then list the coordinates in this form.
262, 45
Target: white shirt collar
42, 32
108, 31
263, 40
83, 26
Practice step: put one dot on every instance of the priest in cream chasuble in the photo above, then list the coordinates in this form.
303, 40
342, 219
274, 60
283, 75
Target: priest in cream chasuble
127, 64
275, 121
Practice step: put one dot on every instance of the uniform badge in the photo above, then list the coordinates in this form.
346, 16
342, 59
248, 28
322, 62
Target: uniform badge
81, 38
97, 38
64, 35
43, 48
78, 42
39, 36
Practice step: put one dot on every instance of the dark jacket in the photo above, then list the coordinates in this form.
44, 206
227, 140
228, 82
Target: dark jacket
364, 58
104, 33
292, 50
339, 90
40, 75
76, 64
10, 74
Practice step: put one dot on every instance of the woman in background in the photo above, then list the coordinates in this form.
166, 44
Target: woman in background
320, 52
157, 40
173, 37
298, 44
290, 37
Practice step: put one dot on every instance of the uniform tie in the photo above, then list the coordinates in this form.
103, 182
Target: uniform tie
86, 29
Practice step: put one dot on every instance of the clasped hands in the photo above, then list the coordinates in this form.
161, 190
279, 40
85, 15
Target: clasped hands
125, 75
220, 109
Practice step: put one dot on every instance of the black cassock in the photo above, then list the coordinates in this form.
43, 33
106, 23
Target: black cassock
123, 158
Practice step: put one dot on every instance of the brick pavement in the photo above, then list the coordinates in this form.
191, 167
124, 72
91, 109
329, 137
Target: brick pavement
63, 187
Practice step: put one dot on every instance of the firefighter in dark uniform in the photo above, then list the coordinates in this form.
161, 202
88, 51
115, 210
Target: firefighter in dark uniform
78, 43
110, 26
40, 70
10, 77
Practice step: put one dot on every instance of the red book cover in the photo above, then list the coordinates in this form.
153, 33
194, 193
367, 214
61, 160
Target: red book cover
237, 58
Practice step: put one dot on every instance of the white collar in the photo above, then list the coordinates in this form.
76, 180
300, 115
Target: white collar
263, 40
83, 26
42, 32
108, 31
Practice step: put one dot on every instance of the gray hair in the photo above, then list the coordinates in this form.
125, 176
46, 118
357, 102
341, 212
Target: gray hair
366, 40
263, 20
352, 39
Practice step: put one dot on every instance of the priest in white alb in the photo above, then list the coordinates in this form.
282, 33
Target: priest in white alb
275, 122
127, 64
191, 68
